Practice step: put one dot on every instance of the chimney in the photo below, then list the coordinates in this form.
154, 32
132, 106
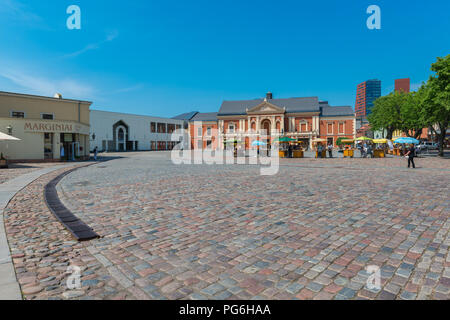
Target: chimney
58, 96
269, 96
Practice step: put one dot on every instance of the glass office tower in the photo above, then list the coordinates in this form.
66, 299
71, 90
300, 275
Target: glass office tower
367, 93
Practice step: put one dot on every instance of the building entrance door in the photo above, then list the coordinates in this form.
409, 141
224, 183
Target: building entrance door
67, 152
121, 139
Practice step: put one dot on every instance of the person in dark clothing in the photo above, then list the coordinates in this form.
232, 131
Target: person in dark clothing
410, 154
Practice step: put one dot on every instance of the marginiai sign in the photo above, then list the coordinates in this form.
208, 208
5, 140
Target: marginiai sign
62, 127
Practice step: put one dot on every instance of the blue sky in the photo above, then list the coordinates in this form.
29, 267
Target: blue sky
167, 57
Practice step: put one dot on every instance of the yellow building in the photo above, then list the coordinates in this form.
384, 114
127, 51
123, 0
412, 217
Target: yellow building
50, 129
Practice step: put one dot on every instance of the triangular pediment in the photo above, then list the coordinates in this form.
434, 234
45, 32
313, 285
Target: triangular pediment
266, 108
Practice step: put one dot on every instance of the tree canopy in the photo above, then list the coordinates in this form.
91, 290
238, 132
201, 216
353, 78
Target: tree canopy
436, 104
429, 107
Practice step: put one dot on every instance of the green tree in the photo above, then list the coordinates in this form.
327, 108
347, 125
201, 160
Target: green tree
339, 141
386, 113
411, 120
436, 104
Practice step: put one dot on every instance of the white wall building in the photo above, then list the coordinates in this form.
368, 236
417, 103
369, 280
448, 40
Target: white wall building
111, 131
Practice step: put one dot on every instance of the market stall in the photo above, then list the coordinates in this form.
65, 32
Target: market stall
364, 140
380, 148
349, 152
316, 144
236, 145
284, 146
403, 142
298, 150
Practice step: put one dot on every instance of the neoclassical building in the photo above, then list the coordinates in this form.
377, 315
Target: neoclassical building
303, 119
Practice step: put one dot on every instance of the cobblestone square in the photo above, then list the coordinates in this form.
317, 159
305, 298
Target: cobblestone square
226, 232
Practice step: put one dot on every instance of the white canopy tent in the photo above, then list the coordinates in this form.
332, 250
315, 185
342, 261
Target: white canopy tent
5, 137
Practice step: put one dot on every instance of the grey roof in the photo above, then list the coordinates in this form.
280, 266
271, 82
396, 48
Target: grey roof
309, 104
207, 116
186, 116
337, 111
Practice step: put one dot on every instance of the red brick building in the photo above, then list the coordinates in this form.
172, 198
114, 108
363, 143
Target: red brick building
402, 85
303, 119
366, 93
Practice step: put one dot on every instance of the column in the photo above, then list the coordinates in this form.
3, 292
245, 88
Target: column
56, 145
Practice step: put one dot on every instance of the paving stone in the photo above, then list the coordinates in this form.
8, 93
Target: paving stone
185, 240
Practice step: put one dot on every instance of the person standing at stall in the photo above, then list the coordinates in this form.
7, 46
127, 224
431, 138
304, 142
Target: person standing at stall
319, 150
369, 150
330, 150
410, 154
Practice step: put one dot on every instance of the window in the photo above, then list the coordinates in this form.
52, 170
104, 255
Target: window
341, 127
303, 127
208, 131
162, 145
47, 116
330, 128
231, 128
208, 144
153, 127
170, 128
199, 132
200, 144
17, 114
162, 128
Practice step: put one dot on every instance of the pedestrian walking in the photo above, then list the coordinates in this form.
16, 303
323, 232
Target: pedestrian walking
410, 155
330, 150
95, 153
